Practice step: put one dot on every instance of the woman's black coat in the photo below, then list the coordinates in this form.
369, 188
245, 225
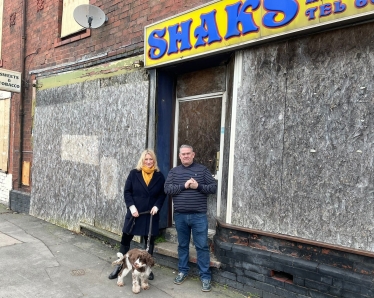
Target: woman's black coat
144, 198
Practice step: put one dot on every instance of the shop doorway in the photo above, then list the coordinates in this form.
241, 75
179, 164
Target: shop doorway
200, 122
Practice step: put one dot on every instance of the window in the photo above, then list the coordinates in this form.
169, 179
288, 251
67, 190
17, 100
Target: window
69, 25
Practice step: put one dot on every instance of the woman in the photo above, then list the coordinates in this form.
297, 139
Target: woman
144, 196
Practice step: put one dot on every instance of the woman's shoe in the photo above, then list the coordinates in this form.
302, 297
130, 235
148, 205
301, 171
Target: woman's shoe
151, 276
115, 272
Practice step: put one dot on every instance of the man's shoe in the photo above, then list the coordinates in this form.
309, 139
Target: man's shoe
115, 272
181, 277
151, 276
206, 285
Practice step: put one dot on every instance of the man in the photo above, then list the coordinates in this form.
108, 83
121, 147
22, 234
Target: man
189, 184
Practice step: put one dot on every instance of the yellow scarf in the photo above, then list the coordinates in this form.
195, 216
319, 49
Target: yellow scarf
147, 174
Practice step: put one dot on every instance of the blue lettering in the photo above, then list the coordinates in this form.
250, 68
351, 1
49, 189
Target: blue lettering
361, 3
339, 7
236, 14
289, 8
183, 37
311, 13
157, 43
208, 28
325, 10
310, 1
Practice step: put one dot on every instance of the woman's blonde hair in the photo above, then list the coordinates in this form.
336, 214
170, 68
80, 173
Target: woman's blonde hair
142, 158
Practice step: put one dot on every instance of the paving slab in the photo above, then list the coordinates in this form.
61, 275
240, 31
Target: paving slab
6, 240
41, 260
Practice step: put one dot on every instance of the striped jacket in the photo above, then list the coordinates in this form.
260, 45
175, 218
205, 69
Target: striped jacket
186, 199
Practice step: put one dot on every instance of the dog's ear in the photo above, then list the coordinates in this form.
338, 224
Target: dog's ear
150, 261
133, 255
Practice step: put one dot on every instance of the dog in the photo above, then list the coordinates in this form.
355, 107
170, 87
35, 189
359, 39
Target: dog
140, 262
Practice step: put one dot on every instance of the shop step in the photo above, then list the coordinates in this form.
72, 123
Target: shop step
168, 248
171, 249
170, 235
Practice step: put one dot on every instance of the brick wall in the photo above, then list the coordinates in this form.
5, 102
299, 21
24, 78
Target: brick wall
125, 27
5, 187
121, 36
263, 266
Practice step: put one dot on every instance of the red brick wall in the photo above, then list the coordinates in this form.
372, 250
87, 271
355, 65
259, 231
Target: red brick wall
11, 43
123, 32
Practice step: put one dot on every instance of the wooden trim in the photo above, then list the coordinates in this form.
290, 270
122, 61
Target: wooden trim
297, 239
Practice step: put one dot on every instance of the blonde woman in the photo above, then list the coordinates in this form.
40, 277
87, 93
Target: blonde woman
144, 196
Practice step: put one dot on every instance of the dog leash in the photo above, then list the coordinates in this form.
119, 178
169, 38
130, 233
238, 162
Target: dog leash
133, 220
150, 233
150, 227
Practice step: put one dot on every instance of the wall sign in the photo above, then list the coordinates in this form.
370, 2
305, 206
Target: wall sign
230, 24
10, 80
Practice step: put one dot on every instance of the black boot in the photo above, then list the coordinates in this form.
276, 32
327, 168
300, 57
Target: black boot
117, 269
115, 272
150, 251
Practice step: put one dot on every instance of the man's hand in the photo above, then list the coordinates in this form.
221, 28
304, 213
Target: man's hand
193, 183
187, 184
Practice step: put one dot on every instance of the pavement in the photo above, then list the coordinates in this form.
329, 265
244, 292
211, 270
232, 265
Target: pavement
39, 259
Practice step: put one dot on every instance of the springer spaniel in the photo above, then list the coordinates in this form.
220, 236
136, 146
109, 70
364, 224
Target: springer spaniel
140, 262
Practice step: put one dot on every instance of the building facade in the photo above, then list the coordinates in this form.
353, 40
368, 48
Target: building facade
275, 97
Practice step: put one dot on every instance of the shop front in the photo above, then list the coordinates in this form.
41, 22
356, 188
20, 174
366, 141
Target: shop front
276, 99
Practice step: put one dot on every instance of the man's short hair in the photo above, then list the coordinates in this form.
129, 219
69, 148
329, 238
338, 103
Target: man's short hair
185, 146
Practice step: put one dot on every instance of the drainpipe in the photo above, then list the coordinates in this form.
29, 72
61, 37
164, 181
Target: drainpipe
22, 94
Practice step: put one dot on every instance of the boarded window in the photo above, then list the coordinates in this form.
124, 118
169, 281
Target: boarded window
69, 25
26, 165
4, 130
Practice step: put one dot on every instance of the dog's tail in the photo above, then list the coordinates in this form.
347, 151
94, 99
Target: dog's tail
119, 261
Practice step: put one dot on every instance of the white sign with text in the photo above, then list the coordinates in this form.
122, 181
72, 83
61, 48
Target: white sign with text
10, 80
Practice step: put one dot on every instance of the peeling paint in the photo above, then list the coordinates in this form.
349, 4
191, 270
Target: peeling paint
89, 74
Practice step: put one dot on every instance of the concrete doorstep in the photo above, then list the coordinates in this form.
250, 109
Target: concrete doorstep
171, 249
168, 248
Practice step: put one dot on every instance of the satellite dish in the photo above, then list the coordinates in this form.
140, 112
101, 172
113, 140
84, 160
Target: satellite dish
89, 16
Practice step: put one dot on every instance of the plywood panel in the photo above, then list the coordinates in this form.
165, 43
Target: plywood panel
209, 80
26, 173
69, 25
305, 138
87, 138
4, 133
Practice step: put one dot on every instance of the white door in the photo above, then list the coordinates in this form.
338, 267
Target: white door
200, 122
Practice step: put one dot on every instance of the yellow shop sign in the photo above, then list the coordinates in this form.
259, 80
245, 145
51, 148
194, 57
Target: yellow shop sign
229, 24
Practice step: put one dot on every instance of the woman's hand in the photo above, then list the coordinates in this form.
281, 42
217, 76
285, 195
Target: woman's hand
154, 210
134, 211
135, 214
